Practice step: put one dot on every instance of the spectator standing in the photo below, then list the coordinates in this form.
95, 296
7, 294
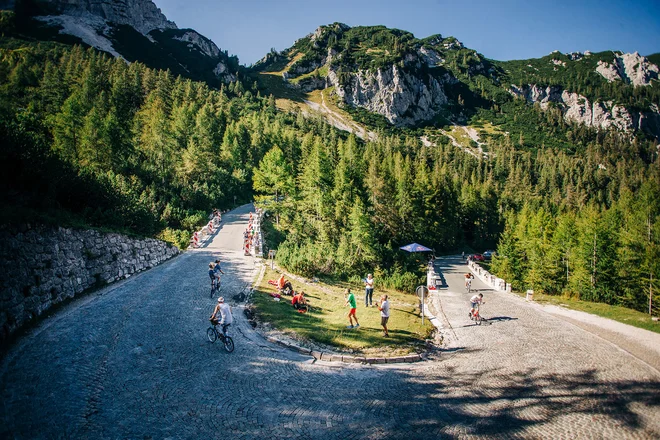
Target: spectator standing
368, 290
350, 301
384, 308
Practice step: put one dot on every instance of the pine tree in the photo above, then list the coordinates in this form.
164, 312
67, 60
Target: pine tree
274, 178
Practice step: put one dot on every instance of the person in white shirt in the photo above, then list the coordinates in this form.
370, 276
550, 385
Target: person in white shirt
225, 315
368, 290
476, 301
384, 308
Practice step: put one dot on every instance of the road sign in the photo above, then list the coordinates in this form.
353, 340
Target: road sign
271, 255
422, 292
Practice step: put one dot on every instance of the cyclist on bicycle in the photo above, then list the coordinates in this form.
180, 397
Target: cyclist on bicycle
212, 271
217, 271
468, 280
476, 301
225, 315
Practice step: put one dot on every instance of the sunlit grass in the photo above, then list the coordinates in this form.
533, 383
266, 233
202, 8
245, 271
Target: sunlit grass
322, 72
326, 321
461, 136
271, 71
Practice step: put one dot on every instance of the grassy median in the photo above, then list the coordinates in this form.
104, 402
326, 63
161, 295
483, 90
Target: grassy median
325, 323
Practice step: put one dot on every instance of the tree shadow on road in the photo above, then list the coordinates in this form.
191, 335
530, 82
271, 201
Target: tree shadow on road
484, 403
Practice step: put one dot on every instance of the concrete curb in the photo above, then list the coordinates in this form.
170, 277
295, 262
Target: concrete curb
347, 359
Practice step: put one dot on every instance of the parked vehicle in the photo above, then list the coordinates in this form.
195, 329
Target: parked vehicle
478, 257
488, 254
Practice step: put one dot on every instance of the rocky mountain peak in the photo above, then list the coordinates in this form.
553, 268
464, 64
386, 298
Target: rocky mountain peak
143, 15
137, 30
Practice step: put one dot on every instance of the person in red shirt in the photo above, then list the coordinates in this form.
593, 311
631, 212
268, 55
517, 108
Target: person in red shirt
284, 285
298, 301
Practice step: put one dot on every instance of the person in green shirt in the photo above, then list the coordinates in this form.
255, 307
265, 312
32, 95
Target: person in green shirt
350, 300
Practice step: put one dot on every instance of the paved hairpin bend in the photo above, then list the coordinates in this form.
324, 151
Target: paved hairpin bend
135, 363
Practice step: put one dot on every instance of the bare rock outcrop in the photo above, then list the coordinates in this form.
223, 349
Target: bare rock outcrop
206, 46
430, 57
403, 98
95, 21
597, 114
143, 15
631, 68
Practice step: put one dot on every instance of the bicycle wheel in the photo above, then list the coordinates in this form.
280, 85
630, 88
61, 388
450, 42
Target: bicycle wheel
229, 344
477, 319
211, 334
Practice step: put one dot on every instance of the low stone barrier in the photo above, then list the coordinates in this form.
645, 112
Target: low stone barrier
42, 266
488, 278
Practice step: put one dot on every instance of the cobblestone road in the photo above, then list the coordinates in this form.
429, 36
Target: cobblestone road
132, 361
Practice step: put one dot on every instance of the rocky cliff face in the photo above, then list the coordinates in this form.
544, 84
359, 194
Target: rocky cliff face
206, 46
143, 15
405, 95
403, 98
602, 115
631, 68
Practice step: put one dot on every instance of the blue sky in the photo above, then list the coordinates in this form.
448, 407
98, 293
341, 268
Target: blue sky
501, 30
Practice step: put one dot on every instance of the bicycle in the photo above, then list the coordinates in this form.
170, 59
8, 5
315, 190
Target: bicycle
476, 316
215, 287
468, 286
214, 334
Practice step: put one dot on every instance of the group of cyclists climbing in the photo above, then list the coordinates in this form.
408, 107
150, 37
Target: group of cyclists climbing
222, 312
475, 301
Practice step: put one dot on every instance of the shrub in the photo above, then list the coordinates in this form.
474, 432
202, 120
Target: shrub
193, 220
177, 237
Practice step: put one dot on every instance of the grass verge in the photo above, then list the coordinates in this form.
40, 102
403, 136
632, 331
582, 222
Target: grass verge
325, 323
615, 313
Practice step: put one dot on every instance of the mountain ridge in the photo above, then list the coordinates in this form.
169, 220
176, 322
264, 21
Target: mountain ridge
376, 72
135, 30
413, 82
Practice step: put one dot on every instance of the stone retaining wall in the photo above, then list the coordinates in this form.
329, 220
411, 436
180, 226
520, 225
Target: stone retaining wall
42, 266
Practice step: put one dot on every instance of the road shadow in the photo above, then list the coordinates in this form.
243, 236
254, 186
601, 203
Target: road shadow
483, 403
500, 318
442, 282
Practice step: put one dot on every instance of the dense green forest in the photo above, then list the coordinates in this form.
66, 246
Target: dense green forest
91, 139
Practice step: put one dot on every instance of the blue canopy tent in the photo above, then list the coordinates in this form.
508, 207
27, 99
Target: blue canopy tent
415, 247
